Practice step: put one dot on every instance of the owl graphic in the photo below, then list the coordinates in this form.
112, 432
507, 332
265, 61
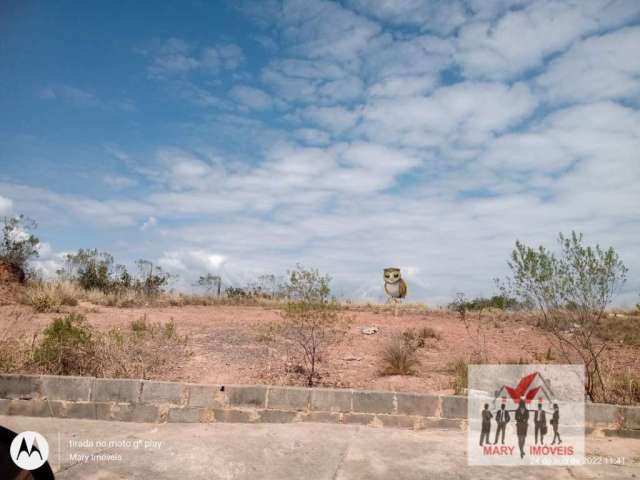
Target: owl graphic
394, 286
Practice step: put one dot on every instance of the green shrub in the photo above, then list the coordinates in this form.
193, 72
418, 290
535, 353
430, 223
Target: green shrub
500, 302
67, 347
18, 245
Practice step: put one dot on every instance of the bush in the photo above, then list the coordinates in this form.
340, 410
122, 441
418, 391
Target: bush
500, 302
620, 329
624, 388
311, 327
572, 291
417, 338
67, 347
18, 245
50, 297
70, 346
460, 380
399, 358
307, 285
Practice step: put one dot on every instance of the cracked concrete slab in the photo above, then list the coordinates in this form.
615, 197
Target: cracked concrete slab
105, 450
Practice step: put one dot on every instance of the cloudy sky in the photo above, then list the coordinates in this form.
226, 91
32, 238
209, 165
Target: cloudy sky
242, 137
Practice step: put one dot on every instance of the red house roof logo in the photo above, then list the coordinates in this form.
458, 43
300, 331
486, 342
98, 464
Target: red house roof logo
528, 388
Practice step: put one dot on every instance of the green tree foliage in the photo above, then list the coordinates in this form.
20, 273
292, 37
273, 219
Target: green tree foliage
307, 285
312, 322
210, 283
571, 290
93, 269
18, 244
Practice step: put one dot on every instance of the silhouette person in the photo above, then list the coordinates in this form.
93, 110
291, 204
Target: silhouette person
555, 420
486, 424
502, 418
540, 422
522, 425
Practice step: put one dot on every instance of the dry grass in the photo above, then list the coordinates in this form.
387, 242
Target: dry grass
53, 296
71, 346
460, 380
399, 358
621, 328
623, 388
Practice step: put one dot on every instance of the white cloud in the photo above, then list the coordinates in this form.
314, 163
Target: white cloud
119, 181
251, 97
436, 15
324, 29
598, 68
151, 222
177, 57
521, 39
81, 98
6, 205
468, 113
331, 118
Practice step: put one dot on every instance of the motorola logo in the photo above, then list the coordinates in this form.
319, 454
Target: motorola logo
29, 450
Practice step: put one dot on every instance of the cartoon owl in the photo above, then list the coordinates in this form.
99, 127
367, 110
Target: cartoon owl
394, 285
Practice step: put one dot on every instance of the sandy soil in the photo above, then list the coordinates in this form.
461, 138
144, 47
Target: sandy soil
228, 344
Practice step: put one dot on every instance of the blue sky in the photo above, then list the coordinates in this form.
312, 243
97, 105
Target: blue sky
242, 137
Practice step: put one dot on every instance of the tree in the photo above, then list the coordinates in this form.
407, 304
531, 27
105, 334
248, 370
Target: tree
308, 285
311, 321
311, 327
18, 244
152, 278
210, 283
571, 292
91, 268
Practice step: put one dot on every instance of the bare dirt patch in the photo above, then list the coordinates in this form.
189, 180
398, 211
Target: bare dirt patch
233, 344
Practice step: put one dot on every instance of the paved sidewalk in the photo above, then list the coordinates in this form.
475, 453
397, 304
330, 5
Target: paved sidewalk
286, 451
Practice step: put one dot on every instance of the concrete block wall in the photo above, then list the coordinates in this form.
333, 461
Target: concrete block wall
153, 401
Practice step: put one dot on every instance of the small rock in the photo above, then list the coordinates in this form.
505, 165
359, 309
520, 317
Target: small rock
370, 330
351, 358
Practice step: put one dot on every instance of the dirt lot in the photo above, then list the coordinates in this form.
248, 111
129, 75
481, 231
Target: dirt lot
228, 344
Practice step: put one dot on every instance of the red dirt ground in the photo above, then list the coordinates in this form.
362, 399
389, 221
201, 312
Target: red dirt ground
228, 344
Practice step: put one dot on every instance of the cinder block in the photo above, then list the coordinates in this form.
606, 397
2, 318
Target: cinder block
621, 433
185, 415
602, 414
454, 407
247, 395
631, 417
331, 400
234, 416
162, 392
133, 413
277, 416
413, 404
358, 418
398, 421
442, 423
205, 396
373, 402
321, 417
19, 386
67, 388
67, 409
288, 398
30, 408
116, 390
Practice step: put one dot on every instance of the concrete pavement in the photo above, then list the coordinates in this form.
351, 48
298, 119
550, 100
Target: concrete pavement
93, 449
